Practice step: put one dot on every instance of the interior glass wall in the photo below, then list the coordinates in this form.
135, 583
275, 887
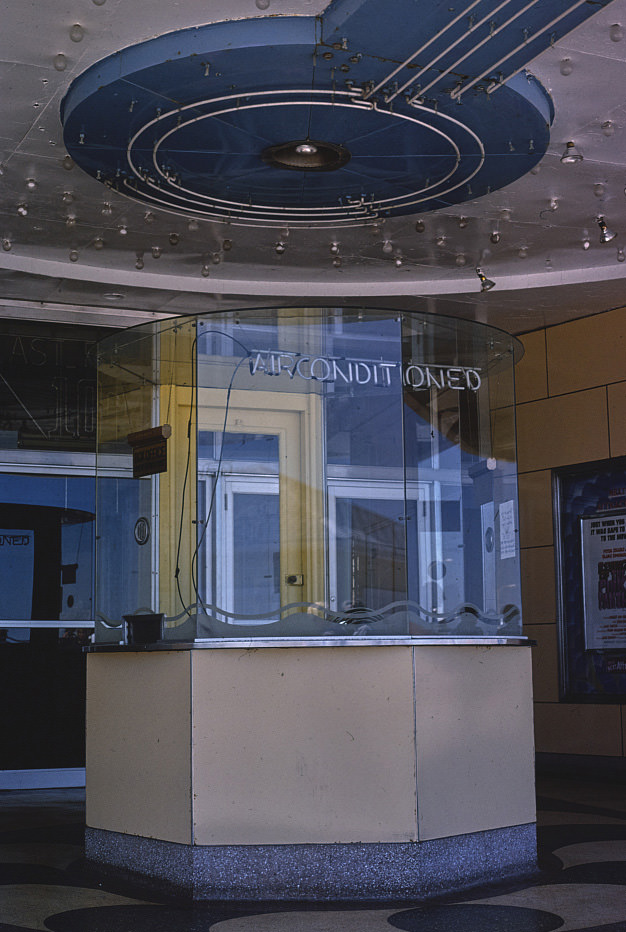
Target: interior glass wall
328, 471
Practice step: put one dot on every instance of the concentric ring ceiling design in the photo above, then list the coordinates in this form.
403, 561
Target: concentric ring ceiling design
427, 104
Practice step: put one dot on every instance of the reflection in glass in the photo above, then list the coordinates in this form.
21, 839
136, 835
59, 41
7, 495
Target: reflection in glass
330, 472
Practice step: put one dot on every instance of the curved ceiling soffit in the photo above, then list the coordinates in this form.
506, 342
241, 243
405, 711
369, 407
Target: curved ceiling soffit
333, 120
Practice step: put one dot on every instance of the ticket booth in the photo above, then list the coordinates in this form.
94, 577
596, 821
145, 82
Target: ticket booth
309, 678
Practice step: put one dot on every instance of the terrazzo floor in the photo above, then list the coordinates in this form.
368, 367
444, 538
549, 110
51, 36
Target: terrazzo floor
45, 884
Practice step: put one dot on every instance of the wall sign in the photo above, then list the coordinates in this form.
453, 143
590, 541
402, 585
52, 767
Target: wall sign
345, 371
603, 541
149, 450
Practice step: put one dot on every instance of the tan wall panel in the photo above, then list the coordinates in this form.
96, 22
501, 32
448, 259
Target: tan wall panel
617, 418
138, 736
475, 763
586, 352
545, 654
530, 373
309, 745
564, 430
567, 728
535, 508
538, 585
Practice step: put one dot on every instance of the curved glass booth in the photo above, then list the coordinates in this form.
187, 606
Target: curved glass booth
309, 472
309, 678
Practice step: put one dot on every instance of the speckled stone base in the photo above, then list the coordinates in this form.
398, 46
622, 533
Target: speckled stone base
386, 871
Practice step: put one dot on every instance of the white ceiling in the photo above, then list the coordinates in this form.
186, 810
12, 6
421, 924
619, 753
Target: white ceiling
545, 216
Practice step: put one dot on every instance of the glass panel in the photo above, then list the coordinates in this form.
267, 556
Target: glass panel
329, 471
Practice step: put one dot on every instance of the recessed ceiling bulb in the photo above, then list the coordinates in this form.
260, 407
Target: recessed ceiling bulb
73, 255
598, 189
98, 2
306, 148
522, 252
193, 225
77, 32
279, 248
571, 154
156, 252
606, 235
7, 245
485, 283
398, 261
262, 4
174, 239
420, 226
616, 32
548, 264
98, 243
620, 255
608, 127
337, 261
68, 197
585, 242
495, 237
463, 221
216, 258
139, 262
206, 271
334, 248
60, 62
566, 67
22, 210
227, 245
387, 247
461, 260
107, 210
70, 220
122, 229
505, 213
68, 163
148, 217
31, 184
440, 239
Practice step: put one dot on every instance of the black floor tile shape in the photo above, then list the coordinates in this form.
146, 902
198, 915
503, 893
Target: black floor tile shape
475, 918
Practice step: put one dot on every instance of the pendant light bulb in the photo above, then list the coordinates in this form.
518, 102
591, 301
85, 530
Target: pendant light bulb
571, 154
485, 283
606, 235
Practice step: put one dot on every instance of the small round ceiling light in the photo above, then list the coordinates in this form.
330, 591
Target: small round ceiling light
616, 33
571, 154
60, 62
420, 226
279, 248
31, 184
77, 33
73, 255
7, 245
608, 127
113, 296
174, 239
98, 243
227, 245
262, 4
306, 155
566, 67
139, 263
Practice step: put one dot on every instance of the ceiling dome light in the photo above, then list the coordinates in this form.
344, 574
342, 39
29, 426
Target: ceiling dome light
522, 252
608, 127
461, 260
31, 184
620, 255
306, 155
420, 226
227, 245
571, 154
7, 245
77, 33
60, 62
606, 235
156, 252
398, 261
485, 283
585, 242
279, 248
599, 189
73, 255
616, 33
193, 225
334, 248
122, 229
68, 163
387, 247
22, 210
205, 271
139, 263
463, 221
174, 239
216, 258
98, 243
495, 237
262, 4
337, 262
566, 67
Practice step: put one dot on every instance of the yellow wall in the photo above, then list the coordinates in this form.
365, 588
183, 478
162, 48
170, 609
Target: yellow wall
571, 408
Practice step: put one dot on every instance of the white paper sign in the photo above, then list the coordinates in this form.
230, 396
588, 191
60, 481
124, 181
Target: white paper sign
507, 530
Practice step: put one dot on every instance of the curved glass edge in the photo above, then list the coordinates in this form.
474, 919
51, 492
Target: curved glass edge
329, 472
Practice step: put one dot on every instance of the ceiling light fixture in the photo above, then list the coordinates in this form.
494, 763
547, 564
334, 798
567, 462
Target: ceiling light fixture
616, 33
420, 226
566, 67
571, 154
387, 247
77, 33
156, 252
279, 248
139, 263
620, 255
205, 271
227, 245
174, 239
599, 189
7, 245
608, 127
463, 221
606, 235
485, 283
334, 248
495, 236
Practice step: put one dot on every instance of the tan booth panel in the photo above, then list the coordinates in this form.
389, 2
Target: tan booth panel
475, 760
303, 746
138, 736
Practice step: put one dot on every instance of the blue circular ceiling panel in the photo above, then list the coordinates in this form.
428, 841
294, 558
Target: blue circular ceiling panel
264, 122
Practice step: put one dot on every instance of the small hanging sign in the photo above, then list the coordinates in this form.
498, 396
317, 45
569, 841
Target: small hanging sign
149, 450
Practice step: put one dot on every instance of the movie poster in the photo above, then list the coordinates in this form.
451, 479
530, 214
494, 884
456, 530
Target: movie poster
603, 539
